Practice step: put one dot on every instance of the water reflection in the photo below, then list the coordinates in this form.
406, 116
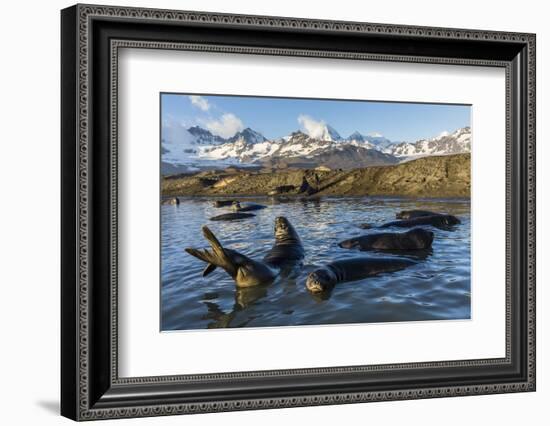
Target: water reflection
244, 297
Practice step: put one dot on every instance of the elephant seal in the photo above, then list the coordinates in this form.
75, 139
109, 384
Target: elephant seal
222, 203
232, 216
413, 214
415, 239
172, 201
247, 208
245, 271
288, 247
324, 279
442, 221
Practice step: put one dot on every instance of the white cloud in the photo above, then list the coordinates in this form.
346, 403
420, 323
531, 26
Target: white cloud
175, 139
443, 133
200, 102
226, 126
314, 128
175, 132
375, 134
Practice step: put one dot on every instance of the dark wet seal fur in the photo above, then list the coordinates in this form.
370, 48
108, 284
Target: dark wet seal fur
415, 239
223, 203
325, 279
232, 216
413, 214
247, 207
442, 221
288, 247
245, 271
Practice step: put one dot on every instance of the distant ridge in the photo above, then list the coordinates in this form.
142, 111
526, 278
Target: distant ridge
199, 149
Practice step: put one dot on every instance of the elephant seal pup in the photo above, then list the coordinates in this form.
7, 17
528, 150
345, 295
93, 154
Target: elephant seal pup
232, 216
247, 207
324, 279
415, 239
222, 203
172, 201
245, 271
413, 214
442, 221
288, 247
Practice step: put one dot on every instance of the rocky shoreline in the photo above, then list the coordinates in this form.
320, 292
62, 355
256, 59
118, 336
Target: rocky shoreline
436, 176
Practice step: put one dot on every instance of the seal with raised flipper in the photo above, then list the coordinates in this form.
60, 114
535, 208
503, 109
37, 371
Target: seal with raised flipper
413, 214
325, 279
414, 239
245, 271
288, 248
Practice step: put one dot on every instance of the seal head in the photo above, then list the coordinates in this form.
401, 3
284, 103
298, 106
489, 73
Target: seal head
285, 232
321, 280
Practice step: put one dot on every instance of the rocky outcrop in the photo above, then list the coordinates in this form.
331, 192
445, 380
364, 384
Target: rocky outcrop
437, 176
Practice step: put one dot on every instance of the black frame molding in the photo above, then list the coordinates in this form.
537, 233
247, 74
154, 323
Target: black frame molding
91, 37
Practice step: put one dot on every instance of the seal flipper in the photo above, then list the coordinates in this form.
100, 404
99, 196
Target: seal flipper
213, 261
215, 257
209, 269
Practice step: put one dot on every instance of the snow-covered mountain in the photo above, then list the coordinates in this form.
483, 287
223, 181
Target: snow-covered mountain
198, 148
375, 141
202, 136
248, 136
298, 148
444, 144
329, 134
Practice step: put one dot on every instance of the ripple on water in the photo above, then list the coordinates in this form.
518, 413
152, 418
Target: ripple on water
437, 287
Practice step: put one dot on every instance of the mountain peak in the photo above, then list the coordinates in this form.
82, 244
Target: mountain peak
330, 134
197, 130
295, 134
204, 136
356, 136
248, 135
445, 143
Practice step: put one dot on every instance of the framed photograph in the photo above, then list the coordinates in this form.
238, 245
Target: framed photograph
263, 212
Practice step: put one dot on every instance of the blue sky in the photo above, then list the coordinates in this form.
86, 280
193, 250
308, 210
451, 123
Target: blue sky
277, 117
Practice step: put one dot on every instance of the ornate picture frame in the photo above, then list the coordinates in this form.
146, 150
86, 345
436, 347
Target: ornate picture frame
91, 38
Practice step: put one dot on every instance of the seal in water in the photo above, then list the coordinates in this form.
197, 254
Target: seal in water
324, 279
223, 203
245, 271
441, 221
232, 216
247, 208
172, 201
413, 214
288, 248
415, 239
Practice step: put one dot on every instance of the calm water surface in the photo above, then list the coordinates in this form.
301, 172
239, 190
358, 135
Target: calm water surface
436, 288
